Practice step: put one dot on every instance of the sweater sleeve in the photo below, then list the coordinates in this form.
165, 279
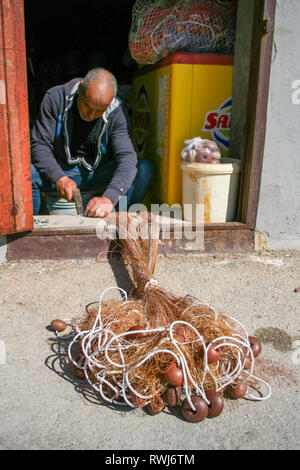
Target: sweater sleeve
125, 156
42, 140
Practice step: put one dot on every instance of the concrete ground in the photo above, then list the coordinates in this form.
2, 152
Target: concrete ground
42, 406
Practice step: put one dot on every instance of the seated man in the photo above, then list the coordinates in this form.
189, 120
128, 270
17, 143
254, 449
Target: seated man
81, 139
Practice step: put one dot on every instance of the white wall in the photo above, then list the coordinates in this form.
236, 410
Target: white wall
279, 202
3, 247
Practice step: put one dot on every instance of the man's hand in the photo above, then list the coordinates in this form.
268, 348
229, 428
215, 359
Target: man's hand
65, 188
99, 207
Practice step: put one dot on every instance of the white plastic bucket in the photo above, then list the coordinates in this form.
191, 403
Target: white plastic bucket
60, 206
215, 186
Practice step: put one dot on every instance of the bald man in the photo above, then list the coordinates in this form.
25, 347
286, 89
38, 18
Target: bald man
81, 140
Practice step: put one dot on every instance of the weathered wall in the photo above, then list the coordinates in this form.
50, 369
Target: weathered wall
279, 202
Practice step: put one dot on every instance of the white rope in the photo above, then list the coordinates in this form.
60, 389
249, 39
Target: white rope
109, 342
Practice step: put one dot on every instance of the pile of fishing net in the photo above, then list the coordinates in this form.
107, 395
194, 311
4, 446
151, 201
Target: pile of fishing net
155, 348
162, 27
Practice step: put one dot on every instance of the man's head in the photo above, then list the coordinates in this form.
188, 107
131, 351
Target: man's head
95, 93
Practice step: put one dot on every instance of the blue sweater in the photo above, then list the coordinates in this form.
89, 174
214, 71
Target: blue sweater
51, 140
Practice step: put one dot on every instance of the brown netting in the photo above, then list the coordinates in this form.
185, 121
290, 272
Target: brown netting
162, 27
126, 346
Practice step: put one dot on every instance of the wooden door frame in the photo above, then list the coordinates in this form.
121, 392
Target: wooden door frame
15, 182
237, 236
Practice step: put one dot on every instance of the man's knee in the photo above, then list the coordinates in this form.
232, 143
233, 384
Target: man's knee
145, 169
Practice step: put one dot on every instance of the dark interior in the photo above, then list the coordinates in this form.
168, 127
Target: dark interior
66, 38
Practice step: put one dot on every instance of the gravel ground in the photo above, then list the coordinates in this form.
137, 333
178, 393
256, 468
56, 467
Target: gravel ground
43, 406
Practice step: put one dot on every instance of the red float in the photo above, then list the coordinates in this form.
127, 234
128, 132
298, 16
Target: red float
58, 325
136, 333
216, 403
238, 391
201, 409
213, 354
174, 375
172, 396
255, 345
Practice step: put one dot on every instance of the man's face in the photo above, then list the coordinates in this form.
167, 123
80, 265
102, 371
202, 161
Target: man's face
93, 101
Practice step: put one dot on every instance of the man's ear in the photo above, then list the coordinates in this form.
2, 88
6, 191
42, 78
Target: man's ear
80, 86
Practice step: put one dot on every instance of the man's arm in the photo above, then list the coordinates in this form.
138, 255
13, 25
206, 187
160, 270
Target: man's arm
42, 140
42, 146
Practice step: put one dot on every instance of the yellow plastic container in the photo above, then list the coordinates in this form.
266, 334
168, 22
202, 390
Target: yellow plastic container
184, 96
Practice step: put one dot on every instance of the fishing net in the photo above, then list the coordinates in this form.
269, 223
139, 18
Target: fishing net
155, 347
162, 27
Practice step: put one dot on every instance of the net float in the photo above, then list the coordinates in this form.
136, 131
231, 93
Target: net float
255, 345
213, 354
238, 391
216, 405
172, 396
201, 409
247, 363
58, 325
174, 375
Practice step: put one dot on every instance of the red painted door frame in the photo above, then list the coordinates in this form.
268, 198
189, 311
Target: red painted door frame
15, 181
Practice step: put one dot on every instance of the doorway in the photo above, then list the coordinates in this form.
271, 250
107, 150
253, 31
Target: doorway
60, 46
64, 40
